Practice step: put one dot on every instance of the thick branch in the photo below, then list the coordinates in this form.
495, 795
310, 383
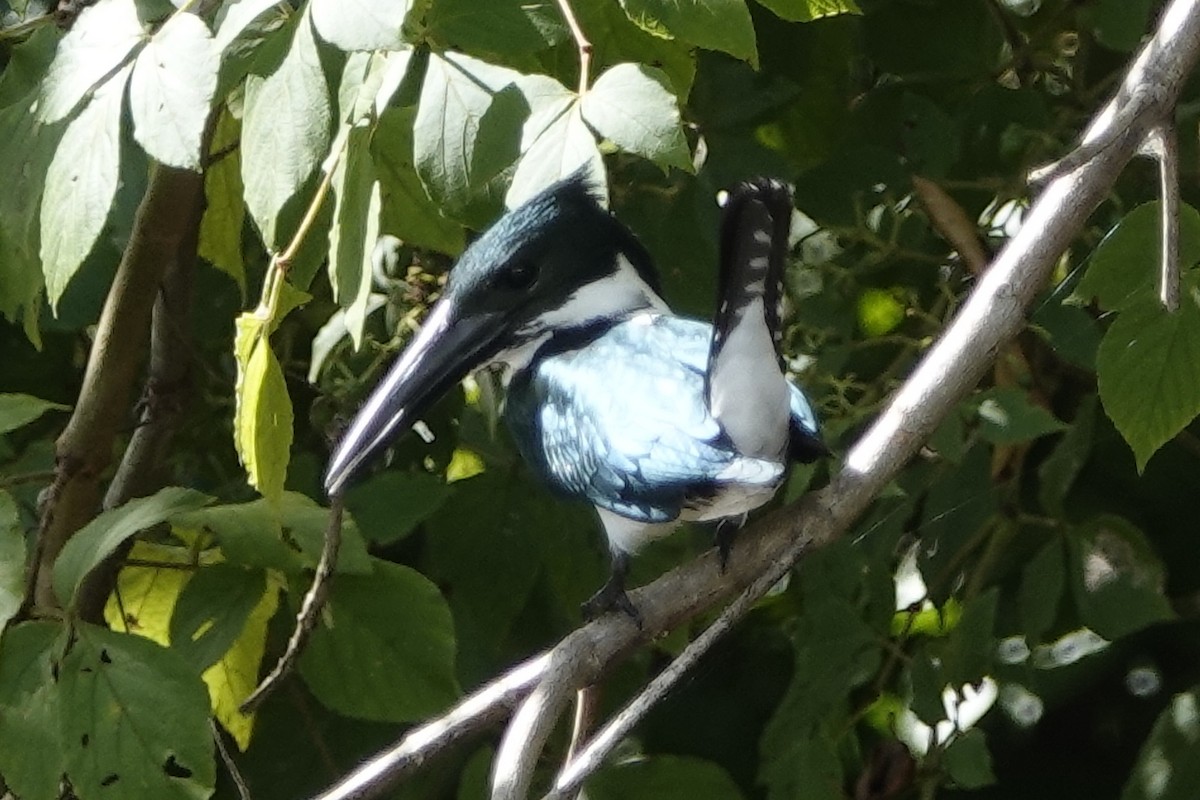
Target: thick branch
142, 470
993, 315
84, 449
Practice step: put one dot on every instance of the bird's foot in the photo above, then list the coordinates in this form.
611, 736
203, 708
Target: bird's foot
611, 597
726, 531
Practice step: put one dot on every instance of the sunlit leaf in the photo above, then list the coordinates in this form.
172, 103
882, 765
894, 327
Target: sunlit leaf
360, 24
224, 208
808, 10
263, 419
171, 90
467, 127
355, 230
81, 184
285, 130
632, 106
100, 41
563, 147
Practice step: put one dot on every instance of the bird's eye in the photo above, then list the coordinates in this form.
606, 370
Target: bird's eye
520, 275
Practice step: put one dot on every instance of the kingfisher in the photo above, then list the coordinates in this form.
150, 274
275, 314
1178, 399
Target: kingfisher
610, 397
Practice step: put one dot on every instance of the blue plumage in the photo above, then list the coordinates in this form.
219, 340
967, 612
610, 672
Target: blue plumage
623, 424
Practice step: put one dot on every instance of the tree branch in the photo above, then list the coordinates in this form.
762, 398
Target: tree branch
142, 470
992, 316
84, 449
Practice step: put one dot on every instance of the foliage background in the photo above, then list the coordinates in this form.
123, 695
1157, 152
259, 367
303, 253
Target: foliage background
1040, 551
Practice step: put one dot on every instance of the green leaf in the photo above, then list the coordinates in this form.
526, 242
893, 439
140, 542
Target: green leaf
1123, 269
467, 128
405, 209
98, 43
361, 24
487, 586
262, 422
21, 409
970, 645
389, 505
1120, 24
29, 148
171, 91
285, 130
81, 184
134, 716
563, 147
12, 559
106, 532
30, 748
712, 24
224, 209
1042, 583
286, 536
809, 768
1007, 416
211, 612
234, 17
968, 761
1070, 329
1146, 372
385, 648
355, 230
632, 106
808, 10
662, 777
1168, 766
925, 675
959, 503
501, 27
1117, 580
1057, 474
617, 39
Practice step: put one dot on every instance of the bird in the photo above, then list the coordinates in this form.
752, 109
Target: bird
610, 397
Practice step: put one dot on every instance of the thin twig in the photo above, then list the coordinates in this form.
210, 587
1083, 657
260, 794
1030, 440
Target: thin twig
27, 477
1161, 145
581, 41
231, 766
310, 610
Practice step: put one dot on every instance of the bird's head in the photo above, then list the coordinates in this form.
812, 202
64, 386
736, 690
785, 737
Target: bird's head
556, 263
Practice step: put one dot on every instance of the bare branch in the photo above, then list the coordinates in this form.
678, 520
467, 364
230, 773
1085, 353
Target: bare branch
310, 609
992, 316
477, 711
231, 766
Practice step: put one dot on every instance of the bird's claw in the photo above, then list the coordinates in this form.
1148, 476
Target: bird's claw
611, 597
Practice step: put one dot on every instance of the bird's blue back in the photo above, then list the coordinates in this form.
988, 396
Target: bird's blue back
620, 419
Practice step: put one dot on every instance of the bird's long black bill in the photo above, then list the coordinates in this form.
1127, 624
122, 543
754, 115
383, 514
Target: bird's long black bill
443, 353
